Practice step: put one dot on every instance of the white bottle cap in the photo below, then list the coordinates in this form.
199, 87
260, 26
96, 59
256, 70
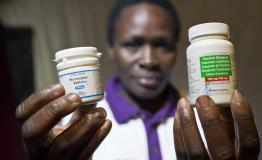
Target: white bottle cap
76, 56
79, 51
208, 29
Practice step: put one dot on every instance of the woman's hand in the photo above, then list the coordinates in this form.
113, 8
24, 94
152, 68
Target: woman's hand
230, 132
40, 112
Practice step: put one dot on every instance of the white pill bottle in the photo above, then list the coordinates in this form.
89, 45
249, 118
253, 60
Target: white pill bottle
79, 72
211, 63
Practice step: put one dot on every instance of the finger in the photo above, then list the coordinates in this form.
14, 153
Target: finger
37, 100
81, 111
227, 118
43, 120
178, 139
95, 141
219, 144
247, 140
191, 137
86, 108
70, 143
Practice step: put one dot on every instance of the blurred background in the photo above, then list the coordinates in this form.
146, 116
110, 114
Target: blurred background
33, 30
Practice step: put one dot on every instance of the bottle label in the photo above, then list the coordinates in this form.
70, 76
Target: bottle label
212, 75
84, 81
215, 66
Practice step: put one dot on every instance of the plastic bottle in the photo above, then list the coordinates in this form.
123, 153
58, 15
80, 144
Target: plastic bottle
211, 63
79, 72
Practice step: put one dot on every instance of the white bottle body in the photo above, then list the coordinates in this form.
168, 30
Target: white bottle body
83, 80
211, 70
79, 72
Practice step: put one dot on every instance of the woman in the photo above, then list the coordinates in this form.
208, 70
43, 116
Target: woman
140, 102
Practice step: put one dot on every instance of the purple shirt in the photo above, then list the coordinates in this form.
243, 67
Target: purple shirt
123, 111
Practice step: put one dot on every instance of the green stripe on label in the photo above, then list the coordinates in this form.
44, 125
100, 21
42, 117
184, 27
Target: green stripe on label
215, 65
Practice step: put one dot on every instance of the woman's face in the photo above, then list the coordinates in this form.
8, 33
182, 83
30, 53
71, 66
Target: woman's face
144, 50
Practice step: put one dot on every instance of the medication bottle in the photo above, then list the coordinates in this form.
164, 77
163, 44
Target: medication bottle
211, 63
79, 72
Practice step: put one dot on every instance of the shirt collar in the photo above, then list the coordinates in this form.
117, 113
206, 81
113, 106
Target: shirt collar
123, 110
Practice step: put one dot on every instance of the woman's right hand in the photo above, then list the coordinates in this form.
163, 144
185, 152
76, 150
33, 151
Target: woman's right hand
230, 132
41, 111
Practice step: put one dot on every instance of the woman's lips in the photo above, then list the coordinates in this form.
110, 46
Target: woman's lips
150, 82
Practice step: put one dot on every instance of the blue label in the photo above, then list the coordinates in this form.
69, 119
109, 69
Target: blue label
80, 87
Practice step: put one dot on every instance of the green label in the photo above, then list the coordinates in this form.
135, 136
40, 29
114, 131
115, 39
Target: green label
219, 65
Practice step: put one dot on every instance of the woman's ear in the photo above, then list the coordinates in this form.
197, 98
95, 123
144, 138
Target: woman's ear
110, 52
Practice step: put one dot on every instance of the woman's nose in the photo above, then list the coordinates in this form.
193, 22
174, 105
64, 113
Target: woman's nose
148, 58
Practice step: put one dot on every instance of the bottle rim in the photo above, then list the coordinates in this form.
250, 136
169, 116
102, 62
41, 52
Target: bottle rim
78, 51
207, 29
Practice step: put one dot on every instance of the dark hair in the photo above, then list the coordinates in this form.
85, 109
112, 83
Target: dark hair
122, 4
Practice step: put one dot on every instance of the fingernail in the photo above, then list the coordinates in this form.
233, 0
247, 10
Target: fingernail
182, 105
176, 115
183, 102
237, 96
73, 97
56, 87
203, 101
99, 114
184, 108
104, 113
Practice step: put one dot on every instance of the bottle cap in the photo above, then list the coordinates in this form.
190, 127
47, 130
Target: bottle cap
208, 29
79, 51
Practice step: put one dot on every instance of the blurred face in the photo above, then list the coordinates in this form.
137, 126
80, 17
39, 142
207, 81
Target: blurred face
144, 50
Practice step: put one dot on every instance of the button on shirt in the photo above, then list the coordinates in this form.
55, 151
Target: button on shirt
124, 111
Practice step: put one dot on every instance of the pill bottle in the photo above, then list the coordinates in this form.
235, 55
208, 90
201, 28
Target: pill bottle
79, 72
211, 63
